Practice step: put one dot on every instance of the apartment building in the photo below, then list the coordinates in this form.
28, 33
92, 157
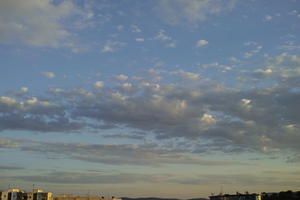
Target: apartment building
12, 194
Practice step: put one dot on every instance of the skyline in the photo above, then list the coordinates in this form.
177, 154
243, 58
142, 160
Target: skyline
165, 98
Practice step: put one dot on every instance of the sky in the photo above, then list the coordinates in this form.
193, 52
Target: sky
164, 98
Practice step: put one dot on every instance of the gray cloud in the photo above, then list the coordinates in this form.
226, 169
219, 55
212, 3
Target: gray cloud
62, 177
125, 136
34, 114
6, 167
122, 154
238, 179
92, 178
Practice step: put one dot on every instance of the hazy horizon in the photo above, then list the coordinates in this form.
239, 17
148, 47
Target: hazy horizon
137, 98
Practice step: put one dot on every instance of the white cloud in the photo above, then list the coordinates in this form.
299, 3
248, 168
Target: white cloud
223, 68
207, 119
171, 45
264, 72
35, 22
248, 55
120, 27
99, 84
49, 74
139, 39
268, 17
214, 64
126, 86
112, 46
186, 75
245, 101
121, 77
24, 89
201, 43
250, 43
191, 12
7, 100
135, 29
162, 36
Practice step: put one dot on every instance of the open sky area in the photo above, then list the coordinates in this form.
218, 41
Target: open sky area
165, 98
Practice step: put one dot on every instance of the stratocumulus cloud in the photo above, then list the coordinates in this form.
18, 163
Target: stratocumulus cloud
243, 118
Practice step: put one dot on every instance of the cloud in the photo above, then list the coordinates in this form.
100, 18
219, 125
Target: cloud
121, 77
7, 143
92, 178
6, 167
122, 154
35, 23
236, 180
282, 68
248, 55
201, 43
135, 29
135, 137
268, 17
49, 75
162, 36
231, 180
139, 39
24, 89
186, 75
112, 46
35, 115
256, 50
262, 119
193, 11
223, 68
99, 84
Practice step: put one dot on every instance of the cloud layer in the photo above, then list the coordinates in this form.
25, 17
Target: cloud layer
263, 119
34, 22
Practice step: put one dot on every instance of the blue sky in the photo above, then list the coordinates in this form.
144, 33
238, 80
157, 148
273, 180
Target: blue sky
168, 98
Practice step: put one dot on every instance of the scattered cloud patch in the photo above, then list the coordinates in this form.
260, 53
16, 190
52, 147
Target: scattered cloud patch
24, 89
121, 77
135, 29
268, 17
186, 75
49, 75
112, 46
139, 39
192, 12
162, 36
201, 43
99, 84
